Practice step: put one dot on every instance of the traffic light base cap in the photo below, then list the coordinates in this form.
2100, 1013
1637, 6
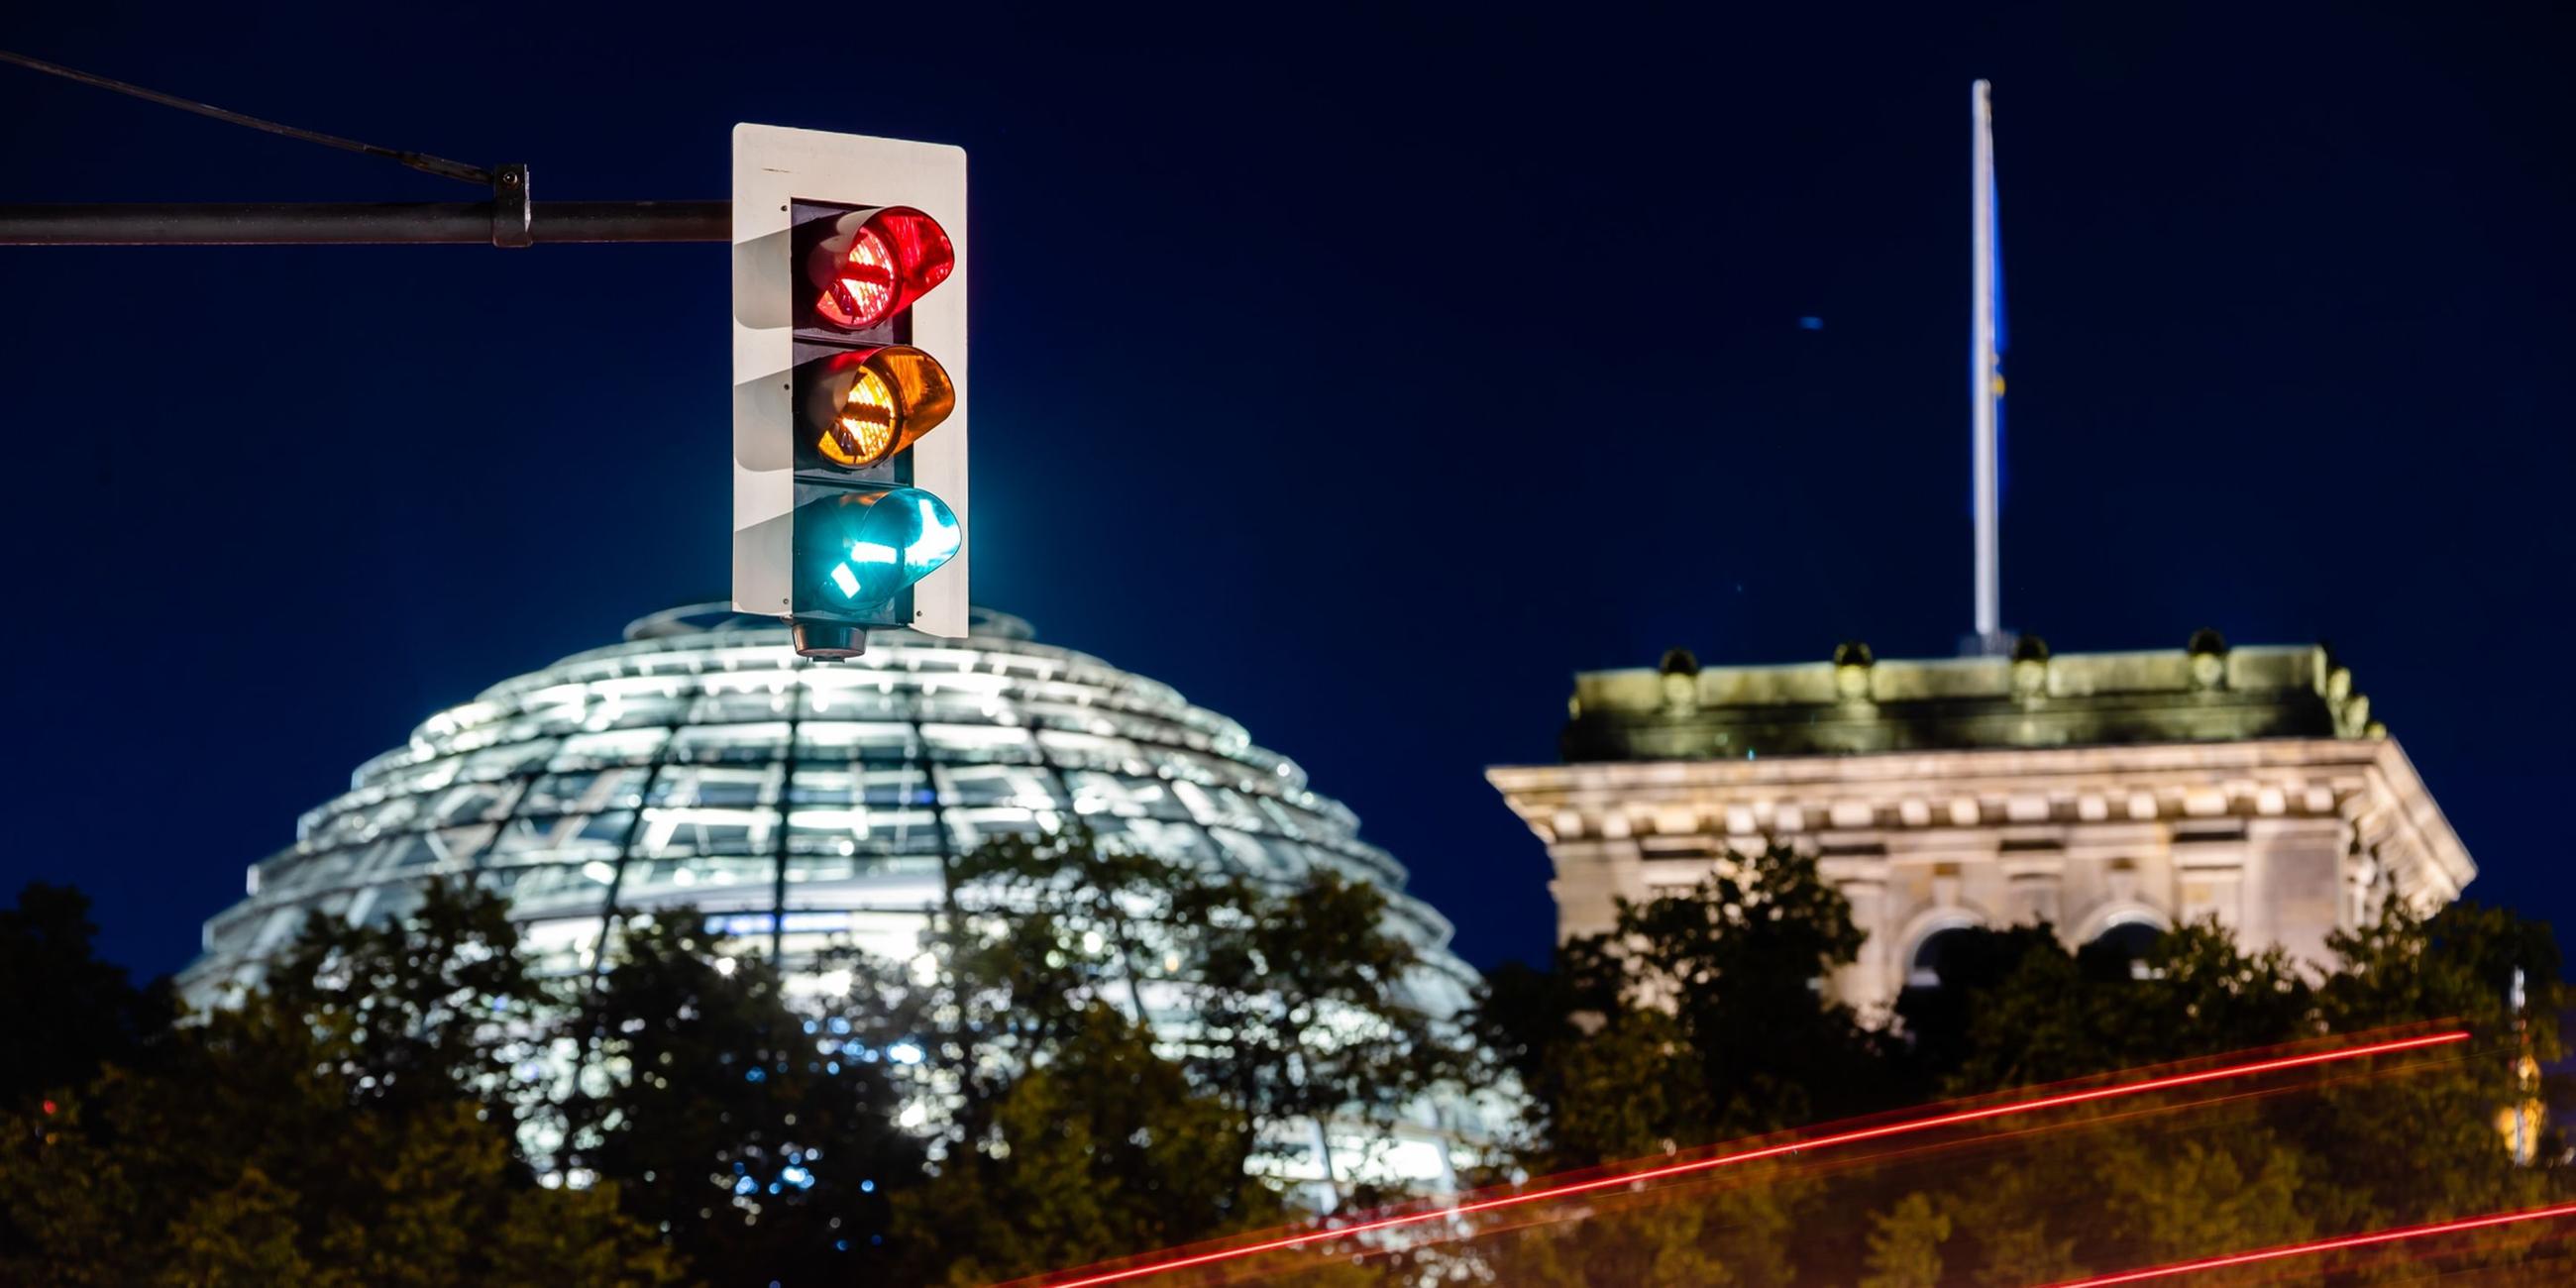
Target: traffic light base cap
830, 641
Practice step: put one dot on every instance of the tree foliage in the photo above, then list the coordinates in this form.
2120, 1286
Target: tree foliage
436, 1006
1905, 1244
1119, 1016
1698, 1018
1103, 1150
1095, 1052
237, 1149
65, 1010
760, 1134
410, 1101
1700, 1014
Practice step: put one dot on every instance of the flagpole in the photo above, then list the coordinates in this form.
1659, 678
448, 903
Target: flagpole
1982, 375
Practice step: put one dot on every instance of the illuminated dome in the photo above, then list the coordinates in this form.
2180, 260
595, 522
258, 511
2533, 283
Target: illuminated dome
702, 762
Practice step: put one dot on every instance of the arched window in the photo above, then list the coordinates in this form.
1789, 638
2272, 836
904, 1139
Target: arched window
2126, 941
1925, 972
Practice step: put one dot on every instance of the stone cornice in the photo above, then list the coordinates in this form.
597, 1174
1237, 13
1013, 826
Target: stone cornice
2366, 783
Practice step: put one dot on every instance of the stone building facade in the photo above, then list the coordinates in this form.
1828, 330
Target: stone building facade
2106, 794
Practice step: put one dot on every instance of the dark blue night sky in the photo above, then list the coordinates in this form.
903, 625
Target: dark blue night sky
1362, 374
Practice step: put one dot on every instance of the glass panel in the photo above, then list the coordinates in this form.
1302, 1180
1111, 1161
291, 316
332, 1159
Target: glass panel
508, 761
827, 787
737, 706
967, 708
656, 707
969, 827
586, 791
1183, 843
861, 696
839, 740
334, 866
280, 927
1280, 818
473, 802
727, 786
890, 788
619, 747
1093, 751
1262, 856
738, 742
229, 935
861, 831
556, 709
403, 853
571, 836
562, 946
553, 885
824, 866
379, 905
670, 833
1241, 853
426, 777
1030, 788
907, 785
360, 824
1217, 808
1147, 797
699, 877
979, 743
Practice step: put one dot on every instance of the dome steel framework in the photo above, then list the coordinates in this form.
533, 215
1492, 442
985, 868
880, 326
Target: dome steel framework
701, 762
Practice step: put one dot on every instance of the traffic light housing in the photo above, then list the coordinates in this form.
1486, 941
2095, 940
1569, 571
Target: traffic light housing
850, 397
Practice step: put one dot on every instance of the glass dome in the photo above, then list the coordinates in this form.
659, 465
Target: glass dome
702, 762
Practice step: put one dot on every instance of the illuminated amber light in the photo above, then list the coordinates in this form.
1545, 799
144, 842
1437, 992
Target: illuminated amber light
869, 404
865, 427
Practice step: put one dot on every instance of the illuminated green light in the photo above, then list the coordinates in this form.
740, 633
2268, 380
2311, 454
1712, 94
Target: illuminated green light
857, 550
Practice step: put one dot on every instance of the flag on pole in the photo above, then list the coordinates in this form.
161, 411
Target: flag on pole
2002, 333
1986, 374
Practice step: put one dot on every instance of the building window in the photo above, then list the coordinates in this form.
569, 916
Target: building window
2123, 948
1932, 954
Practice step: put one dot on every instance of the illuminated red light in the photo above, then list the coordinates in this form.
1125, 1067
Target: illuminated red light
876, 263
1882, 1131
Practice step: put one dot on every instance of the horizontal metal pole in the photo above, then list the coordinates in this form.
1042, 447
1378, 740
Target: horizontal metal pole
358, 223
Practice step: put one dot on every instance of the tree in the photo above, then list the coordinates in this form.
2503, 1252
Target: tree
1707, 1005
1743, 961
1686, 1025
2457, 964
431, 1007
1700, 1016
2015, 1008
2167, 1200
1104, 1149
762, 1138
238, 1151
67, 1011
1302, 1010
1635, 1088
1905, 1245
1285, 1006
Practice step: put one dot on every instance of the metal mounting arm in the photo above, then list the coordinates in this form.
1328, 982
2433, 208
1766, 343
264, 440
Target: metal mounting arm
505, 222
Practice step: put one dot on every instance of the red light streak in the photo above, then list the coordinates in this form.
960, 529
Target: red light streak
1852, 1137
2323, 1245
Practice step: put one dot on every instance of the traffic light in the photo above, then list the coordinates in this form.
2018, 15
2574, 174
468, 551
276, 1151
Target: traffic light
849, 303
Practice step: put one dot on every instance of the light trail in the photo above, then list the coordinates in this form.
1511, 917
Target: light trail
1854, 1136
2288, 1250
